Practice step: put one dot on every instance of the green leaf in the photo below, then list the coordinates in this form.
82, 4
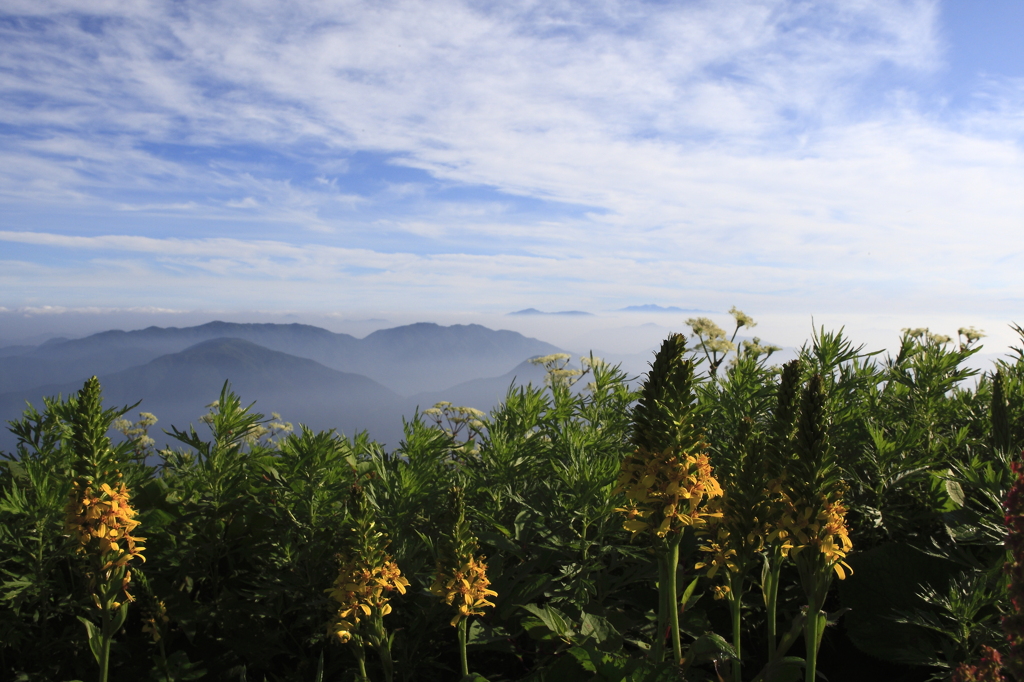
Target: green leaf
120, 614
553, 619
182, 669
320, 668
609, 667
522, 592
601, 632
694, 622
688, 593
95, 639
583, 657
786, 669
709, 647
955, 492
887, 580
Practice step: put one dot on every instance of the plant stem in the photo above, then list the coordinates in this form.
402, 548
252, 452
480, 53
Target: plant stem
771, 596
463, 656
811, 638
736, 608
163, 660
672, 598
388, 666
816, 618
360, 655
105, 637
658, 646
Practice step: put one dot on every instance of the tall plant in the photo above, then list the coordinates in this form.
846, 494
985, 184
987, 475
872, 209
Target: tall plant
367, 578
461, 577
668, 478
816, 520
101, 519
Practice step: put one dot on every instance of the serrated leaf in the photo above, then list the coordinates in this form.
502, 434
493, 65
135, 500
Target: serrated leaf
955, 492
598, 628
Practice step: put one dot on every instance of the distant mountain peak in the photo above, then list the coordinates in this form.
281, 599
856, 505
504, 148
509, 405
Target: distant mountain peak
534, 311
652, 308
55, 341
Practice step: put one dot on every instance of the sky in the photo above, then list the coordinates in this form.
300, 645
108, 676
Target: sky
351, 161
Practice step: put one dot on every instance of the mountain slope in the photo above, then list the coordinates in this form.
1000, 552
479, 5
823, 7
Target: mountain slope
408, 359
178, 386
425, 356
483, 394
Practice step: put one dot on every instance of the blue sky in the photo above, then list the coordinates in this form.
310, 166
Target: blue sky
790, 157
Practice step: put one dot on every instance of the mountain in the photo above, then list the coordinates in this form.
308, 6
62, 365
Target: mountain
534, 311
483, 394
7, 351
62, 360
177, 387
409, 359
309, 375
652, 308
426, 356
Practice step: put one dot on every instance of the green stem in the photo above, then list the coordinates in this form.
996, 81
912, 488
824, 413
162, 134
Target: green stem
770, 585
658, 645
105, 637
388, 666
735, 583
796, 628
811, 631
816, 618
463, 656
672, 598
163, 659
360, 653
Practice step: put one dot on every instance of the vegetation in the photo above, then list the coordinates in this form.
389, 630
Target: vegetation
842, 514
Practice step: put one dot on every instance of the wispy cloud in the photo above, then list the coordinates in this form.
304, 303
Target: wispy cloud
489, 153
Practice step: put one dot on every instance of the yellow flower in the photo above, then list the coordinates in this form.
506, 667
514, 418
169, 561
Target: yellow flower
102, 521
666, 491
466, 588
359, 590
820, 526
153, 621
719, 556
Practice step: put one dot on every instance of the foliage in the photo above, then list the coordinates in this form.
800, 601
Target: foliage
896, 466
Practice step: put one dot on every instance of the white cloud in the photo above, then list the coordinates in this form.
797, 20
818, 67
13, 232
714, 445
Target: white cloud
724, 147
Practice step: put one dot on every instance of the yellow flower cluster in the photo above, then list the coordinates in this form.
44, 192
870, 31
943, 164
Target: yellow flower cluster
360, 590
155, 621
665, 490
466, 588
719, 555
103, 523
820, 525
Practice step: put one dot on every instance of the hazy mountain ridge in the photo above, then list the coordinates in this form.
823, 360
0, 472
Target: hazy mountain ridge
482, 393
534, 311
178, 386
464, 364
409, 359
